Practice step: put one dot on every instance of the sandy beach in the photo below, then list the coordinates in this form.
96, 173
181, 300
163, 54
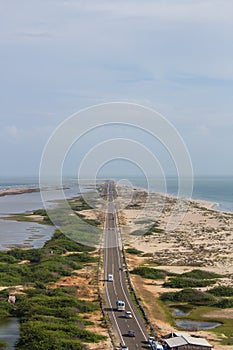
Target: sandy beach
203, 236
203, 240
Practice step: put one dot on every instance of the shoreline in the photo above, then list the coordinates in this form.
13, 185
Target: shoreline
211, 233
202, 241
205, 203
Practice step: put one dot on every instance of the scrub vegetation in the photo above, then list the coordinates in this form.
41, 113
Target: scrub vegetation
148, 272
50, 317
133, 251
197, 303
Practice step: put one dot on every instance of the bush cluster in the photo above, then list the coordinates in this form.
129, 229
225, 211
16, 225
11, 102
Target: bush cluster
50, 319
225, 291
189, 295
180, 282
134, 251
148, 272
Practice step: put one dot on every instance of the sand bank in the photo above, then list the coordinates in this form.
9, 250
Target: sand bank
15, 191
203, 239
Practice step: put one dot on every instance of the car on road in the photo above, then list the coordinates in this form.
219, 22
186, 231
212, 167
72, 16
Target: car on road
120, 304
128, 314
110, 277
124, 347
151, 340
156, 346
131, 333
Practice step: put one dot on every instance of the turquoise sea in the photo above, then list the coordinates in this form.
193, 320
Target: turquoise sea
217, 189
214, 189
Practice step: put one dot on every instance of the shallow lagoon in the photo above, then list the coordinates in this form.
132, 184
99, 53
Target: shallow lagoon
9, 331
27, 234
23, 234
191, 325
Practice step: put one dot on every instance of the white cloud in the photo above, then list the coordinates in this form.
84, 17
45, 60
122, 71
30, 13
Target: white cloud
170, 10
12, 131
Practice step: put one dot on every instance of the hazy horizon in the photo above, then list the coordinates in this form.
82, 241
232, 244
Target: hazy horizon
59, 57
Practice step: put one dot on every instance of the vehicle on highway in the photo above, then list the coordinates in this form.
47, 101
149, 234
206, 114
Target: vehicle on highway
110, 277
124, 347
120, 304
131, 333
128, 314
156, 346
151, 340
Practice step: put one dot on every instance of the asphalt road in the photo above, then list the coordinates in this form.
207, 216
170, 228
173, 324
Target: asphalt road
117, 289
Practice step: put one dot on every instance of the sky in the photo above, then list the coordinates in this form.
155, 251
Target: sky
60, 56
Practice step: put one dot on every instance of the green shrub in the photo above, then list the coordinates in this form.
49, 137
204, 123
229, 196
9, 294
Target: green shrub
14, 274
61, 244
134, 251
200, 274
147, 272
6, 258
225, 303
189, 295
50, 319
83, 258
153, 229
148, 255
179, 282
138, 233
41, 212
34, 335
225, 291
4, 345
34, 255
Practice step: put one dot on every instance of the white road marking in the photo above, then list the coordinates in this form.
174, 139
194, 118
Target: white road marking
124, 290
118, 240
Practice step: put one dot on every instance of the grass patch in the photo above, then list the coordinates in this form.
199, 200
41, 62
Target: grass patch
180, 282
143, 222
224, 331
49, 318
134, 251
148, 272
189, 295
148, 255
225, 303
45, 264
79, 204
224, 291
3, 345
200, 274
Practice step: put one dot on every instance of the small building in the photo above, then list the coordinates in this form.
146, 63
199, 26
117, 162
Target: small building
184, 341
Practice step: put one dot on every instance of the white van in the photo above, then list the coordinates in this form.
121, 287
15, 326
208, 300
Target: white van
110, 277
120, 304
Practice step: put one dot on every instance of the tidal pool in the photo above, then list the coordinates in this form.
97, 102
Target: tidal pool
27, 234
179, 310
9, 331
191, 325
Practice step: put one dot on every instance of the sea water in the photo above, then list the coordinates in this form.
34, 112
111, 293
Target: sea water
28, 234
218, 190
214, 189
